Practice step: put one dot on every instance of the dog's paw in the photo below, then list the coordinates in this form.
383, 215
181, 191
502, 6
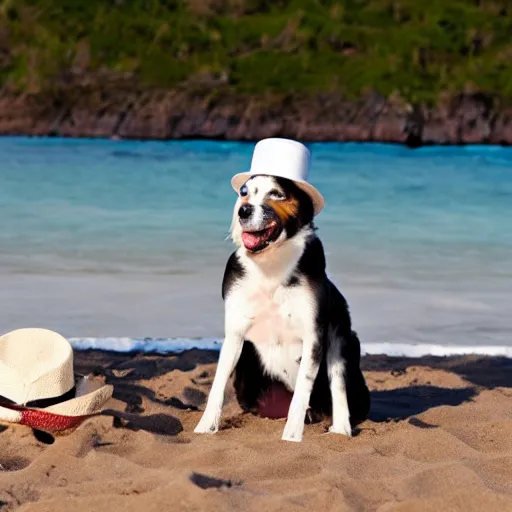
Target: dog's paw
292, 434
205, 426
292, 438
344, 429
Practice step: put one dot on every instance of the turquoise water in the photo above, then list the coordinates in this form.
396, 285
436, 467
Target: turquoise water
119, 238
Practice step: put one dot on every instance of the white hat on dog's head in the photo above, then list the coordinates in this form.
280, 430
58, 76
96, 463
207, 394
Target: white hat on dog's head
37, 385
283, 158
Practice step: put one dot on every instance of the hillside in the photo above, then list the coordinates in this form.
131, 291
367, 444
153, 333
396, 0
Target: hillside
416, 54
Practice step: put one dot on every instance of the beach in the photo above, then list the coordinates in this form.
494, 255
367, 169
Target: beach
121, 246
121, 128
439, 437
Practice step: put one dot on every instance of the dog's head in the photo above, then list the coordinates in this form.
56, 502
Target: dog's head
269, 210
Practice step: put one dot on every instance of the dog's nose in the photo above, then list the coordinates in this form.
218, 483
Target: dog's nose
245, 211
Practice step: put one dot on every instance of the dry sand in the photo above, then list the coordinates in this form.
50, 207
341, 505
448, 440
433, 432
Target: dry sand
439, 438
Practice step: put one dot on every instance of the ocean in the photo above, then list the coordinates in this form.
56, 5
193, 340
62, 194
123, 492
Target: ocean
123, 243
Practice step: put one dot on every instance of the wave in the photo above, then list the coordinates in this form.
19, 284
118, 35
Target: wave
177, 345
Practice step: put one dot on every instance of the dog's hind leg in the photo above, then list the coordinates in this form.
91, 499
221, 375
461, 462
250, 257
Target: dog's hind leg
250, 381
358, 394
337, 382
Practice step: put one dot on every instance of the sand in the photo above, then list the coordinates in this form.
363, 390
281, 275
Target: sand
439, 437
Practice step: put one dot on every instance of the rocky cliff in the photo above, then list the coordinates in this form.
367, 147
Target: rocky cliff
125, 111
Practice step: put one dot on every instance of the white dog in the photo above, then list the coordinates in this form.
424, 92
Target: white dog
286, 324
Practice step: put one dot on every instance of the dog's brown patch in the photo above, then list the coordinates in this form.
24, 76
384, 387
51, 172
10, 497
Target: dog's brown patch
285, 209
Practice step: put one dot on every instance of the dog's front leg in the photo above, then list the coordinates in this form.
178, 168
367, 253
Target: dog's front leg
235, 329
308, 370
229, 355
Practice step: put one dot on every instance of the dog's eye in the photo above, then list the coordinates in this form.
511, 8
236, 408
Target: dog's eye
275, 194
243, 190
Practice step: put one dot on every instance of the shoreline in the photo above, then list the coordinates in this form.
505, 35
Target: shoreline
173, 346
113, 112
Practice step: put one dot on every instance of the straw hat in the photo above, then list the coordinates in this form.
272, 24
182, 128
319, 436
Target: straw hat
37, 384
283, 158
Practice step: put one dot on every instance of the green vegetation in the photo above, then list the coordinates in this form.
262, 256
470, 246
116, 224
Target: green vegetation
414, 48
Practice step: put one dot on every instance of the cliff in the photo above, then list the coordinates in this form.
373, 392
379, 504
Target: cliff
178, 114
406, 71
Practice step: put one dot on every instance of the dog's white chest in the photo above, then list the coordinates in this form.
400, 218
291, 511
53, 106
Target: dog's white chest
277, 329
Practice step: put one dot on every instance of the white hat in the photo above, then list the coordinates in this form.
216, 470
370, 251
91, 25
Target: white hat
283, 158
36, 365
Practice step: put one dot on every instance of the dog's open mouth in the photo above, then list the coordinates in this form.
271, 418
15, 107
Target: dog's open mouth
254, 240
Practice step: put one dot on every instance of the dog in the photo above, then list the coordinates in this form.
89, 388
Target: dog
288, 329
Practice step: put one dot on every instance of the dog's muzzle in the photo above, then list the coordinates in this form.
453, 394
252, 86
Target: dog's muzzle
259, 225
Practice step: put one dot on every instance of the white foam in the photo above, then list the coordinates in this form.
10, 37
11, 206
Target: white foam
177, 345
427, 349
147, 345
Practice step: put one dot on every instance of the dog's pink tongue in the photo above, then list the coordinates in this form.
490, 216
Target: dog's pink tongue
251, 240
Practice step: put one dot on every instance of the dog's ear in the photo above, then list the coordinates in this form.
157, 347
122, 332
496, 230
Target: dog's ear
305, 213
307, 210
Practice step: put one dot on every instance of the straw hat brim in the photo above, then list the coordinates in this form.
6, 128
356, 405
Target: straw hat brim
318, 200
90, 398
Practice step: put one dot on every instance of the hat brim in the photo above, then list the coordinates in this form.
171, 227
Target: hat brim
318, 200
90, 398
